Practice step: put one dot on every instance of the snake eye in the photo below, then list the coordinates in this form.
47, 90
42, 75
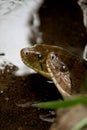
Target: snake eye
39, 56
63, 68
52, 56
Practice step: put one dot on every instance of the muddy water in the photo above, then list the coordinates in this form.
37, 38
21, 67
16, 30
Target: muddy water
61, 24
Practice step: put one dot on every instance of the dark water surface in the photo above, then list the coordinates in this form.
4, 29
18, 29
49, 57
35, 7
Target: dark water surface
60, 23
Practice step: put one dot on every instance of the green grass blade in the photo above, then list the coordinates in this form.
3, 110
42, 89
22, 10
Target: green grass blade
61, 104
81, 124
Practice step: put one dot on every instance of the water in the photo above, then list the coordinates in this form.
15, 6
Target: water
19, 23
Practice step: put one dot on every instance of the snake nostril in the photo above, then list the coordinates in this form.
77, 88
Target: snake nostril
26, 53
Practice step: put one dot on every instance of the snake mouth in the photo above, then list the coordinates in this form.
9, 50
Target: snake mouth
45, 74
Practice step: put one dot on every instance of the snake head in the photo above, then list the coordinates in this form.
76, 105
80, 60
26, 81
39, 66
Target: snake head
59, 73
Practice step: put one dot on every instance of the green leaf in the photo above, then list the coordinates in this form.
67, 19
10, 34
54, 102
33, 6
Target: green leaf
81, 124
61, 104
